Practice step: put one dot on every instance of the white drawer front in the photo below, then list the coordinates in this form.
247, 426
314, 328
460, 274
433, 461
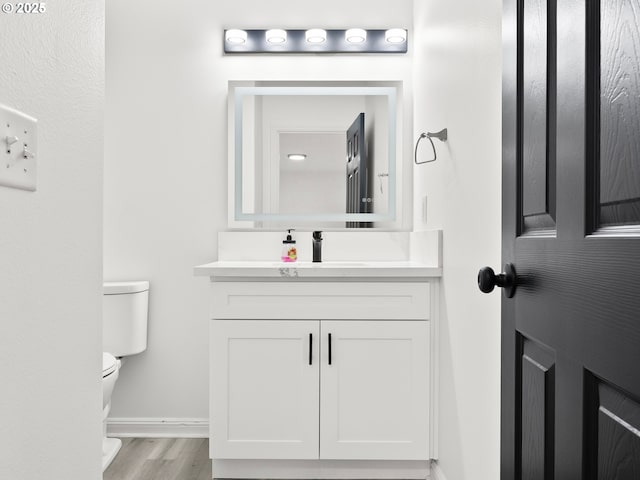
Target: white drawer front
311, 300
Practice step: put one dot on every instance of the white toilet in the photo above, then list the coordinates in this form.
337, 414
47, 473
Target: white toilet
125, 310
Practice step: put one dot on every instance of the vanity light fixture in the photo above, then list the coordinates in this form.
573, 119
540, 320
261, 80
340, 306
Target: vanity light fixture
315, 40
316, 35
276, 36
395, 35
356, 35
235, 36
297, 156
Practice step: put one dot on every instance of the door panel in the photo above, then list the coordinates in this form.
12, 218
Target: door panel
374, 394
358, 195
571, 334
537, 410
614, 443
264, 389
537, 156
619, 39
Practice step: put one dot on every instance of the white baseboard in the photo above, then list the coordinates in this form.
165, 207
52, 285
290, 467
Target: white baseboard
436, 472
158, 427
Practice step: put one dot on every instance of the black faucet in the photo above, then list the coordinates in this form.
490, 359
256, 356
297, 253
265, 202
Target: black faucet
317, 246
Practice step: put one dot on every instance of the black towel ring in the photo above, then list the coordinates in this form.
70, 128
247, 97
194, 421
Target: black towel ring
441, 135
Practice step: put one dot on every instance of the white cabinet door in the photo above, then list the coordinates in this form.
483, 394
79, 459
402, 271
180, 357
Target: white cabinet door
375, 390
264, 389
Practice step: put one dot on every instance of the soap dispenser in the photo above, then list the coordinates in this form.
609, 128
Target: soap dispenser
289, 251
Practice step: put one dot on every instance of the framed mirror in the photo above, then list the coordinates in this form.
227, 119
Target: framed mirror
321, 154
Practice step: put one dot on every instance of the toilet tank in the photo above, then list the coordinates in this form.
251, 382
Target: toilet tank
125, 308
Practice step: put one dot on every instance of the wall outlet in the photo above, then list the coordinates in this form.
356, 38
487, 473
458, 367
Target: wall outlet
18, 149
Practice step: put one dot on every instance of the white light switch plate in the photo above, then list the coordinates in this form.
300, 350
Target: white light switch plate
18, 149
424, 209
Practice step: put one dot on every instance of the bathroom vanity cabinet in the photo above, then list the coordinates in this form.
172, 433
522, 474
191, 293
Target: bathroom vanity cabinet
322, 374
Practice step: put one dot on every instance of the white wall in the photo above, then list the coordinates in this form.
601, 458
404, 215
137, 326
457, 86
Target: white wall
166, 162
457, 85
51, 248
304, 192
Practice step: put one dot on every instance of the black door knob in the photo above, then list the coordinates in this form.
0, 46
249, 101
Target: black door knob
488, 280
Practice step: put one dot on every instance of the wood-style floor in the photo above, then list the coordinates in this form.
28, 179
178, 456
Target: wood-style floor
161, 459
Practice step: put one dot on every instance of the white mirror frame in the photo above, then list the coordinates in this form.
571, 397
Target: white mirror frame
239, 90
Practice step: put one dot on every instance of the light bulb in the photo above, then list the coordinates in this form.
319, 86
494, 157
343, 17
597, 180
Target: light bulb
355, 35
395, 35
235, 36
276, 35
316, 35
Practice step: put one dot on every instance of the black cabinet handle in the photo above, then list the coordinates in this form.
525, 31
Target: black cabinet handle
311, 349
329, 349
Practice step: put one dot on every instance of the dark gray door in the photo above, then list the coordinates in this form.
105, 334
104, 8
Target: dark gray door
357, 171
571, 227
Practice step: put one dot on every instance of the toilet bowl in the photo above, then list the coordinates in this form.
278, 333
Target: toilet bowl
124, 333
110, 372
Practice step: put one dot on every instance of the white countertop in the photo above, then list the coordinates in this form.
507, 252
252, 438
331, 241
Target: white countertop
308, 270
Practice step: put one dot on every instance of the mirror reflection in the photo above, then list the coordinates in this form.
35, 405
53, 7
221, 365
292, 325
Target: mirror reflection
311, 163
325, 155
